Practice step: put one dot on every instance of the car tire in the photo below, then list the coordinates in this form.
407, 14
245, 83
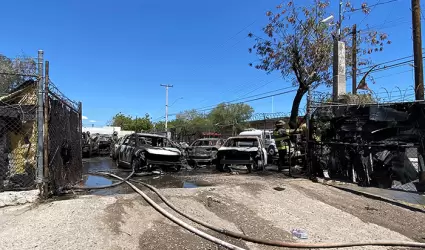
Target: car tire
219, 167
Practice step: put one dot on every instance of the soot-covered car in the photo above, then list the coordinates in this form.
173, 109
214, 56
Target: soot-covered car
203, 151
242, 150
143, 152
104, 143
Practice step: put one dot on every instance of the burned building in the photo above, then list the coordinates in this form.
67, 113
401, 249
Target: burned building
18, 138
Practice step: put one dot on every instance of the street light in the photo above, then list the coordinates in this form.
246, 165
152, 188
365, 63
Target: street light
328, 19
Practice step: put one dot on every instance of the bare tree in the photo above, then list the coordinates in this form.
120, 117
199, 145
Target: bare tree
15, 72
299, 46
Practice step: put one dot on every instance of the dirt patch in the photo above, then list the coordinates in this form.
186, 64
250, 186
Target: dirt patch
115, 212
401, 220
245, 219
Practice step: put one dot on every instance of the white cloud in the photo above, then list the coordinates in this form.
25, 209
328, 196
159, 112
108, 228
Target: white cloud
85, 117
92, 121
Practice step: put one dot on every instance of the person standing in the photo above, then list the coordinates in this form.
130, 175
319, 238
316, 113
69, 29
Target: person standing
282, 142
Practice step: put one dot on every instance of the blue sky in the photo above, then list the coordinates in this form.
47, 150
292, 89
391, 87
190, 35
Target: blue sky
113, 55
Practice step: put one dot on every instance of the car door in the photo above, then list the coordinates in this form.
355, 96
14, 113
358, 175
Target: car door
122, 149
131, 145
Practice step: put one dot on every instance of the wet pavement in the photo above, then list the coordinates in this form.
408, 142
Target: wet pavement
186, 178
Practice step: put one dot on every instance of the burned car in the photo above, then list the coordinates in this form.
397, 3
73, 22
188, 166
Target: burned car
249, 151
86, 144
104, 143
203, 151
144, 152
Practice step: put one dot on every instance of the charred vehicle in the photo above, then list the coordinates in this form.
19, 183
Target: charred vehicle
249, 151
104, 143
143, 152
86, 144
203, 151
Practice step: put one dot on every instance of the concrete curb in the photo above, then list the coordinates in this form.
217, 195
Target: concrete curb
18, 198
403, 204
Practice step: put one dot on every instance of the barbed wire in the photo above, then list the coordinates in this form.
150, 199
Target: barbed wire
55, 92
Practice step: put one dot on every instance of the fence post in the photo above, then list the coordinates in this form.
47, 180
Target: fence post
46, 170
40, 152
80, 124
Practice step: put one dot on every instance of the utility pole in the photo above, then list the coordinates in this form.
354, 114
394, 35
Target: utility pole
417, 50
354, 60
339, 80
419, 73
167, 86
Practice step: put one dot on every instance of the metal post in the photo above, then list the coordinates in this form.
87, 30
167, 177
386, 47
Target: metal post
354, 60
40, 118
166, 105
80, 125
307, 139
419, 74
46, 131
340, 20
417, 50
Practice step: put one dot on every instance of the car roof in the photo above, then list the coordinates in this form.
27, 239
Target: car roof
208, 139
244, 137
150, 135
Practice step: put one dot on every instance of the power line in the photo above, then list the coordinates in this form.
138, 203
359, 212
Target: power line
245, 101
373, 5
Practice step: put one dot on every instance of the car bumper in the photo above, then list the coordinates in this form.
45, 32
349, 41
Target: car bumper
164, 163
236, 162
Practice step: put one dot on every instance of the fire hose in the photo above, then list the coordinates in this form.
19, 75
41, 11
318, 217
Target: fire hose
177, 220
231, 233
275, 242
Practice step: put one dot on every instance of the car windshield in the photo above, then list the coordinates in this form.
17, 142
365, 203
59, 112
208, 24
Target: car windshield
155, 141
241, 142
204, 143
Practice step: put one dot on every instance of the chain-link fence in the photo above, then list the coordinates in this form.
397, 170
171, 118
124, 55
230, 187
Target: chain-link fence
64, 140
40, 129
18, 136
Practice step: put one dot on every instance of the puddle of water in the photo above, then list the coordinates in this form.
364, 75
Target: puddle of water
94, 181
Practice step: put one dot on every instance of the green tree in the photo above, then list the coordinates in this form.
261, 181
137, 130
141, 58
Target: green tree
233, 115
299, 46
127, 122
14, 72
140, 124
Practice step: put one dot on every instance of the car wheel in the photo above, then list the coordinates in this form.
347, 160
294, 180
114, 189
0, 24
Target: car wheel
249, 168
219, 167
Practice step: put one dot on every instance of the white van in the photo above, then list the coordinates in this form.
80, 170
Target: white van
266, 136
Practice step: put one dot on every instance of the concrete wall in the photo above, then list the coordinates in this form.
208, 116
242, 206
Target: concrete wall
107, 130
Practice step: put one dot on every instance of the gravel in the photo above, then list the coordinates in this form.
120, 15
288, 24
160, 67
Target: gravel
247, 204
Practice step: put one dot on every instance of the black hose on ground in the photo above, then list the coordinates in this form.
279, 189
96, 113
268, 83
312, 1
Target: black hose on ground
280, 243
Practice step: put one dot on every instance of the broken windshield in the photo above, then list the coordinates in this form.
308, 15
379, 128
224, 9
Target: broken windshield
241, 142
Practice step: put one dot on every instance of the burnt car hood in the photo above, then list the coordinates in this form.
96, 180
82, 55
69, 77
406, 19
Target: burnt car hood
163, 151
240, 149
